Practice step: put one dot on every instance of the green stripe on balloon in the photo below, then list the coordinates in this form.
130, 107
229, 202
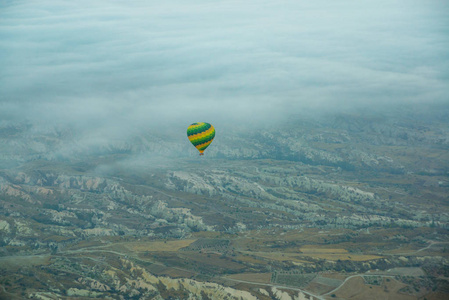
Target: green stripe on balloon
203, 140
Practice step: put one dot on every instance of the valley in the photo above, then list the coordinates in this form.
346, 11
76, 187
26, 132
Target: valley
330, 209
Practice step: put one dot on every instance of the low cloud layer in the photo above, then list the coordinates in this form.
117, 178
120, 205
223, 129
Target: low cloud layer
131, 65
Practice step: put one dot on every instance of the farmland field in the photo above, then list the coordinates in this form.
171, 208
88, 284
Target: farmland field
355, 288
253, 277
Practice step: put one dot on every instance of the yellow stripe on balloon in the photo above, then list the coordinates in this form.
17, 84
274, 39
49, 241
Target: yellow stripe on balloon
200, 135
203, 145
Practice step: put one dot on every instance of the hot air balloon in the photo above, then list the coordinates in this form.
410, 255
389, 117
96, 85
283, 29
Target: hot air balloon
201, 135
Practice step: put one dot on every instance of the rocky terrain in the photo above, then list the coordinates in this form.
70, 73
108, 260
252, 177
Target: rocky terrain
292, 211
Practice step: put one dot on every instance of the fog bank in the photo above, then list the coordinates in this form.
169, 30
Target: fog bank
132, 66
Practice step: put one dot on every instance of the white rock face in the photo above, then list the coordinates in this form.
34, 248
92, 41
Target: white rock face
300, 296
148, 281
15, 191
360, 192
264, 292
180, 215
98, 232
60, 216
16, 242
94, 284
280, 294
4, 226
73, 292
42, 296
194, 183
23, 229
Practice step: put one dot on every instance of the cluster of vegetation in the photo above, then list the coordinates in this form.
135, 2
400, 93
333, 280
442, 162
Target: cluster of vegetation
292, 278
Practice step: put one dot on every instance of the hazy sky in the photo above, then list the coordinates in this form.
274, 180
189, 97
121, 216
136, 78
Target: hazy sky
135, 62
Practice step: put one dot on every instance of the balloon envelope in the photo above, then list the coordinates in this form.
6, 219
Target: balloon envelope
201, 134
